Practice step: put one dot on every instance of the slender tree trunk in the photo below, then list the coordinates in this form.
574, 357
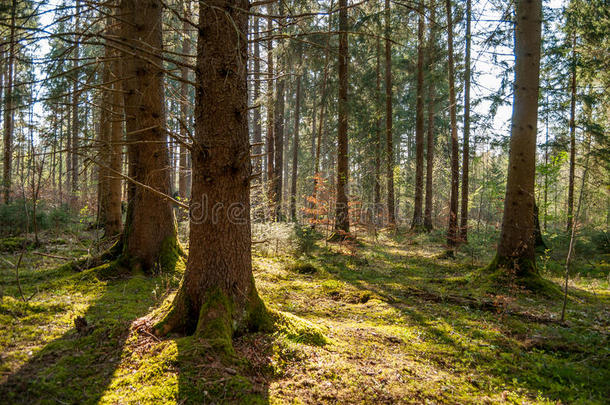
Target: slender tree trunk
104, 134
75, 122
150, 230
256, 113
9, 113
516, 250
295, 141
184, 103
217, 296
418, 219
388, 118
572, 137
278, 132
270, 113
431, 105
342, 210
466, 152
378, 118
452, 232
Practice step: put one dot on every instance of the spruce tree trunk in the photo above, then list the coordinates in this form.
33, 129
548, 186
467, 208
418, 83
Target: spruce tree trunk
342, 210
9, 114
418, 219
388, 118
150, 230
431, 105
295, 141
516, 250
452, 231
104, 134
278, 121
217, 296
256, 114
466, 151
572, 137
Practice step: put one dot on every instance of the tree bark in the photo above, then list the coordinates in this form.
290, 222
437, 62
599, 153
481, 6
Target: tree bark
466, 151
9, 113
342, 210
431, 105
572, 136
388, 118
278, 132
418, 219
150, 230
452, 231
256, 113
217, 296
378, 111
516, 250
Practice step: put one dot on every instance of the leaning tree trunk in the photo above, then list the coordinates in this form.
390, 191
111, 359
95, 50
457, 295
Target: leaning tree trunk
9, 114
418, 218
342, 210
150, 230
452, 231
431, 105
516, 250
466, 151
217, 296
388, 118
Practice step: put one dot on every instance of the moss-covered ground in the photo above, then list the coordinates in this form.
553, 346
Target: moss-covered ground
385, 322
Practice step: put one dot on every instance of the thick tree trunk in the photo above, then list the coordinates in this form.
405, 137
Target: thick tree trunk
217, 296
466, 151
418, 219
9, 113
452, 231
388, 118
342, 210
150, 230
295, 141
516, 250
184, 104
431, 105
572, 137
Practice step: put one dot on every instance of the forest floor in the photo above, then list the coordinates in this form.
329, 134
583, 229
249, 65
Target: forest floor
401, 324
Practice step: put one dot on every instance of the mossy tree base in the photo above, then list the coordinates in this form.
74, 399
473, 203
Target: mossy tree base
522, 272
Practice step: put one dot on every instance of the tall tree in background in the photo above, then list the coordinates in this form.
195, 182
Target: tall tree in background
217, 296
572, 136
388, 118
269, 139
9, 113
256, 113
418, 219
295, 139
466, 150
378, 118
516, 250
342, 209
278, 132
431, 106
150, 227
183, 186
452, 230
110, 134
75, 100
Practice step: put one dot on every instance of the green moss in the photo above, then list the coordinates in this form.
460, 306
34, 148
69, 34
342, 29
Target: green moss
215, 323
297, 329
302, 268
14, 244
171, 256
